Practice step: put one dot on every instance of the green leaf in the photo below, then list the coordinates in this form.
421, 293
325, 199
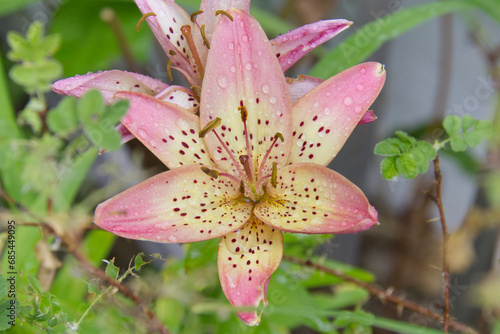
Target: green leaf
458, 144
7, 7
453, 125
406, 137
406, 165
366, 40
90, 108
139, 261
490, 7
427, 150
93, 286
112, 270
62, 120
388, 168
201, 253
468, 122
484, 128
388, 147
8, 126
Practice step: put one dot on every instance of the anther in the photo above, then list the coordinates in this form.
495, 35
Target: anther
244, 113
169, 69
242, 187
210, 172
205, 39
220, 11
172, 52
146, 15
274, 175
245, 162
195, 13
280, 136
209, 127
186, 32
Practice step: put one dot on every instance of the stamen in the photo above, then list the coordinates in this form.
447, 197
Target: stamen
244, 116
220, 11
266, 156
210, 172
274, 174
195, 13
172, 52
197, 91
209, 127
186, 32
205, 39
245, 162
242, 187
169, 69
146, 15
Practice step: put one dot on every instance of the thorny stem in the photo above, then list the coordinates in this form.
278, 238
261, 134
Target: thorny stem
101, 274
384, 295
446, 270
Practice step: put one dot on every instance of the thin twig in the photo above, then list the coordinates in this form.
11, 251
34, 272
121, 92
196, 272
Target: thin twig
101, 274
446, 270
383, 295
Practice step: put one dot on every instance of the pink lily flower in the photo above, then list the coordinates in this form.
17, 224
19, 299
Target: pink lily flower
251, 166
188, 51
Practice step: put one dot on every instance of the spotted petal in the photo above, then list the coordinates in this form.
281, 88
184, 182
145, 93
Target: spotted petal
247, 258
295, 44
167, 130
309, 198
301, 86
209, 7
181, 205
108, 83
242, 70
325, 117
180, 96
166, 26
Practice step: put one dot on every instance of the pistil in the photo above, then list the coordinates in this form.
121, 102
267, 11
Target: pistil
186, 32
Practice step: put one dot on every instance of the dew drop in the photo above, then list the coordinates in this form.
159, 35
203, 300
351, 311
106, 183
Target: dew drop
248, 66
68, 87
359, 87
230, 46
348, 101
233, 69
273, 100
244, 38
265, 89
327, 111
357, 109
259, 53
222, 81
172, 238
142, 134
362, 70
152, 143
316, 104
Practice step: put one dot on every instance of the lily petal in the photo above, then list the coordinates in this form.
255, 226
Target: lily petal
295, 44
301, 86
246, 260
368, 117
243, 71
181, 205
325, 117
166, 27
209, 7
167, 130
310, 198
108, 83
180, 96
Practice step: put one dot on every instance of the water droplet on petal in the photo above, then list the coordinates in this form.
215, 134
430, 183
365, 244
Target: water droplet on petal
327, 111
357, 109
233, 69
244, 38
222, 81
259, 53
348, 101
152, 143
142, 134
265, 89
230, 46
362, 70
172, 238
359, 87
273, 100
248, 66
316, 104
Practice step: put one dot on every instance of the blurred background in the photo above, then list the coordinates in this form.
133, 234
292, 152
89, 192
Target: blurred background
438, 63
